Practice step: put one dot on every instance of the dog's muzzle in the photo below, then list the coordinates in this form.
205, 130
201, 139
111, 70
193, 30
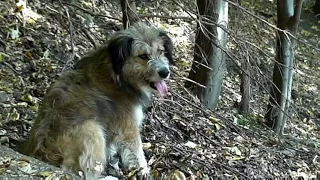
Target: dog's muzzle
161, 85
164, 72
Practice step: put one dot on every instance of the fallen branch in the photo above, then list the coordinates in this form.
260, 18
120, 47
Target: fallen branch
140, 16
91, 13
91, 39
9, 66
166, 17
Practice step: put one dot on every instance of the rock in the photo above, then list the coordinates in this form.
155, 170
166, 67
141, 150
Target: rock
4, 97
14, 165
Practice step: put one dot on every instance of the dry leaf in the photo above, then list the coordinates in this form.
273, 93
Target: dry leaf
190, 144
45, 173
177, 175
20, 6
146, 145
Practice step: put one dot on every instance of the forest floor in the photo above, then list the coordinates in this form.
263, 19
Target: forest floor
180, 137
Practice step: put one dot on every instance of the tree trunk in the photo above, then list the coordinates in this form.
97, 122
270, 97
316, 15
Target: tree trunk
245, 88
316, 8
209, 66
288, 12
129, 12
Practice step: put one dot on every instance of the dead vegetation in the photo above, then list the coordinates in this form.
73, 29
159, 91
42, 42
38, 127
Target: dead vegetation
181, 138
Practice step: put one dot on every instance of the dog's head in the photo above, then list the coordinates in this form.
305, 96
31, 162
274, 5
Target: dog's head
140, 56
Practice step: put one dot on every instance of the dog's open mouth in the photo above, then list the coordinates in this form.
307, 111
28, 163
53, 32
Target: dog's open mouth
160, 86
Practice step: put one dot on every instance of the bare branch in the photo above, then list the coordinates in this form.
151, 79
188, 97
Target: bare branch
69, 61
91, 13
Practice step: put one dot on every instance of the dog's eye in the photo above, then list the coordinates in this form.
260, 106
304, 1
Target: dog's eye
144, 57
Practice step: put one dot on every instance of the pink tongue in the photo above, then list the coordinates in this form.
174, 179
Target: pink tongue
161, 87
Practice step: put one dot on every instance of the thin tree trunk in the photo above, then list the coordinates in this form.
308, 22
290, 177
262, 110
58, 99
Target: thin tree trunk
245, 89
316, 8
280, 96
129, 12
203, 47
209, 66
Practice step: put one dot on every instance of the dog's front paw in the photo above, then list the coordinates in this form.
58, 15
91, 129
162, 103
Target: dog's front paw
114, 169
144, 171
144, 174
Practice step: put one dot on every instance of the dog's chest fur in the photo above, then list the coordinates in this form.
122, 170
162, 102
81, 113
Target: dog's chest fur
138, 112
120, 107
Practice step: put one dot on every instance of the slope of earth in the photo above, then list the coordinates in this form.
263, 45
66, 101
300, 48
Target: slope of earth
40, 40
14, 165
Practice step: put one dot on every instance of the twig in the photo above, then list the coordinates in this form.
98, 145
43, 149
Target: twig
166, 17
140, 16
216, 143
236, 128
208, 21
187, 79
91, 13
169, 100
172, 112
85, 31
69, 61
174, 130
229, 54
177, 148
9, 66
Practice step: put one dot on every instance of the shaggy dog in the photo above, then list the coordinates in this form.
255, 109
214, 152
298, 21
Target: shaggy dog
94, 111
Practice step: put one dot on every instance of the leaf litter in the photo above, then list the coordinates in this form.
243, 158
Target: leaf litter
182, 140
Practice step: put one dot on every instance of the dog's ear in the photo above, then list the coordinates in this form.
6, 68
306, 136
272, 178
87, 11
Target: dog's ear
168, 46
119, 49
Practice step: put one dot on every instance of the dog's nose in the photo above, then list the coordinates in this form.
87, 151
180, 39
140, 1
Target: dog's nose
163, 72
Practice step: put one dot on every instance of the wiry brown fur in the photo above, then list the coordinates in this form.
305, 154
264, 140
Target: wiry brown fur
95, 110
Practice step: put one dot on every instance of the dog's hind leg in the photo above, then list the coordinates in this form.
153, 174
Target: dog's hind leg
84, 148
